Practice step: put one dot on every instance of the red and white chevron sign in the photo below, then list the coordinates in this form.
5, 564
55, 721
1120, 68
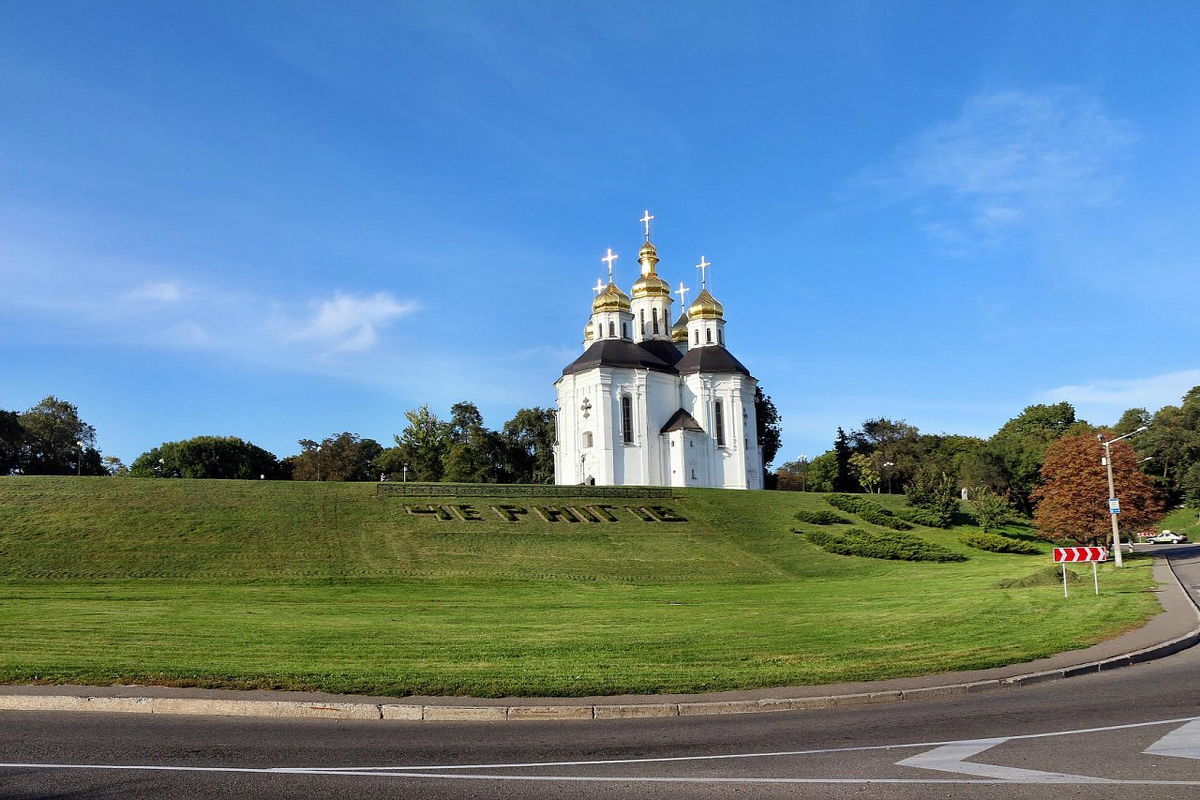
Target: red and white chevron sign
1072, 554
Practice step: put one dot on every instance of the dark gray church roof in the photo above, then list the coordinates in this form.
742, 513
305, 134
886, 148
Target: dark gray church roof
681, 421
654, 355
709, 359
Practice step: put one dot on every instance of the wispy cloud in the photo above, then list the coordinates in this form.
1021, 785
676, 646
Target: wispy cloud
155, 291
1007, 157
347, 323
1107, 397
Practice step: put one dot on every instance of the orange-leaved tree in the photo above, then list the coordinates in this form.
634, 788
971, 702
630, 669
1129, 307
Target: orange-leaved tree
1072, 501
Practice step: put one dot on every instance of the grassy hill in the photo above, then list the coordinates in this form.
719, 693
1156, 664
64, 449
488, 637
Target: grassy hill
332, 586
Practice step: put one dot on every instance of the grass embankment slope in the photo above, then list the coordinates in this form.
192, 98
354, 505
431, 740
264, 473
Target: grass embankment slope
330, 586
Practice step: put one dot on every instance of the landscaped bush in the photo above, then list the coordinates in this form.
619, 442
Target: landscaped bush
934, 492
868, 510
996, 543
878, 544
821, 517
919, 516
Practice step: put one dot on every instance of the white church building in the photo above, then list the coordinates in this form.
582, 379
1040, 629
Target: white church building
651, 403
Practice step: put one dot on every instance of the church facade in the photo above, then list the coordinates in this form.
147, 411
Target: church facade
651, 402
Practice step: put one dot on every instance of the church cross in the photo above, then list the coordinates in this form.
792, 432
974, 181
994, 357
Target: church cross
599, 287
609, 259
646, 221
703, 267
586, 407
682, 291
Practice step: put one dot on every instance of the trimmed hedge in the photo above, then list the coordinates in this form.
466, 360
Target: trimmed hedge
876, 544
920, 516
996, 543
821, 517
868, 510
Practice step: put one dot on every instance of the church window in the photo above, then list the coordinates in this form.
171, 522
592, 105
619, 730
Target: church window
719, 423
624, 330
587, 439
693, 473
642, 315
612, 331
696, 336
720, 337
708, 335
627, 419
655, 313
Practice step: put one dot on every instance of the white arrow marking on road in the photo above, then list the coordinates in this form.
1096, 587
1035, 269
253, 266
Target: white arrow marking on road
949, 758
1181, 743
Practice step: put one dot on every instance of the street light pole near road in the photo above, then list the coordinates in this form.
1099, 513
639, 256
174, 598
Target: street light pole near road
1112, 494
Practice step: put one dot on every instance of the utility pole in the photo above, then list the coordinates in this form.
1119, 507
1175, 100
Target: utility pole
1113, 507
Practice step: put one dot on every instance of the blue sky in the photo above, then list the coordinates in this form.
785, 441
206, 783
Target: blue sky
285, 220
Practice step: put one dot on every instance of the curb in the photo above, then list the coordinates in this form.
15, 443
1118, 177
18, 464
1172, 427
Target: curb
550, 712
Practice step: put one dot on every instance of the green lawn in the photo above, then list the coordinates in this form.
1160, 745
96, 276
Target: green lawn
329, 586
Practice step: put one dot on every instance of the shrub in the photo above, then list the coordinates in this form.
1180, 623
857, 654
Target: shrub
991, 510
821, 517
996, 543
934, 492
919, 516
878, 544
868, 510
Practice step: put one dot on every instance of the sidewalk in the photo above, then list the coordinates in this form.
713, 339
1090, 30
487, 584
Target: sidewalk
1176, 628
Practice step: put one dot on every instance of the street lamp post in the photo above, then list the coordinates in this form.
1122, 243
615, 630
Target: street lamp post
888, 466
803, 472
318, 463
1112, 493
404, 473
79, 463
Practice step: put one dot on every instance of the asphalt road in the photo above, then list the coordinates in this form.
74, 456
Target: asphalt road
1129, 733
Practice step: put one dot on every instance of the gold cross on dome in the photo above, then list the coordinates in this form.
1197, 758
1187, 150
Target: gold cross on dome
609, 259
599, 287
682, 291
703, 267
646, 221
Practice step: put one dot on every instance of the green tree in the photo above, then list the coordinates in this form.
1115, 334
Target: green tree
56, 439
344, 457
473, 455
991, 508
1018, 449
1072, 500
1173, 441
843, 480
935, 492
822, 472
769, 427
529, 444
207, 457
424, 442
893, 442
1131, 420
115, 467
11, 437
863, 467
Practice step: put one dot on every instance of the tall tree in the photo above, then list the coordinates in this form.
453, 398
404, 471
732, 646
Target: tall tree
843, 479
770, 427
207, 457
11, 437
1018, 449
56, 440
473, 453
529, 438
822, 472
424, 442
343, 457
1072, 500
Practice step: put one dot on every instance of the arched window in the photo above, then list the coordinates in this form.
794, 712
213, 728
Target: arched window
642, 320
587, 438
612, 331
696, 336
708, 335
655, 313
626, 419
624, 330
719, 423
720, 337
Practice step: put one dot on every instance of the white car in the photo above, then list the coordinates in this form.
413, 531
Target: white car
1167, 537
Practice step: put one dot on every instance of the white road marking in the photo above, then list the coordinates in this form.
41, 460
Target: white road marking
1181, 743
949, 758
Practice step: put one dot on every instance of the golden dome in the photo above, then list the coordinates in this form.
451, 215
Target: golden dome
611, 299
648, 251
706, 307
650, 285
679, 330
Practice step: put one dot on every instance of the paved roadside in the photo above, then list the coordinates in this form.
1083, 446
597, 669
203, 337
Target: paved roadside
1175, 628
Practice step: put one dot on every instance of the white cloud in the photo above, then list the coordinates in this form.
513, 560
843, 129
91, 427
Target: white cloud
1006, 158
1105, 398
347, 323
156, 291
